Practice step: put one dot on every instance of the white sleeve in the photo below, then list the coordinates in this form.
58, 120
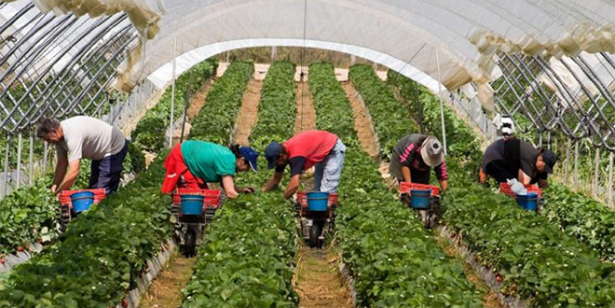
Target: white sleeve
75, 148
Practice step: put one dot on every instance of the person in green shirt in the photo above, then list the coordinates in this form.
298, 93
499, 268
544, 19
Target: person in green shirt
193, 163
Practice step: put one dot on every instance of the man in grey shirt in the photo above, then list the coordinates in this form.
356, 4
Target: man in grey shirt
85, 137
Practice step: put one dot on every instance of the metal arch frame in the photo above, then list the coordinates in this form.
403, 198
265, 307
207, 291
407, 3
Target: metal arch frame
61, 78
517, 72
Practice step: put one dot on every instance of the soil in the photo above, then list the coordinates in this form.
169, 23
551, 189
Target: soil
318, 281
490, 298
166, 289
362, 122
248, 113
306, 115
198, 99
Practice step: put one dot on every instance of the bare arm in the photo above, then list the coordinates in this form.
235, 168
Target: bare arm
70, 177
524, 178
444, 185
405, 170
229, 186
292, 187
273, 181
61, 166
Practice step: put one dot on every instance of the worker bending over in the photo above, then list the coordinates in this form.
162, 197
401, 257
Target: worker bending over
317, 148
85, 137
414, 156
192, 164
511, 158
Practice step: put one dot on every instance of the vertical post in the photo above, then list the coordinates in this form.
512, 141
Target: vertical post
353, 60
575, 177
540, 139
567, 167
549, 140
596, 174
441, 103
610, 186
274, 53
31, 160
172, 118
6, 165
19, 147
228, 56
45, 155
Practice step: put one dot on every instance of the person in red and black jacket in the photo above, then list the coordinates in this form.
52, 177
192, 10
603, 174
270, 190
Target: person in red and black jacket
321, 149
414, 156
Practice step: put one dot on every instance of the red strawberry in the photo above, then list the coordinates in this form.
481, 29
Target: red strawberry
499, 278
124, 303
20, 248
2, 261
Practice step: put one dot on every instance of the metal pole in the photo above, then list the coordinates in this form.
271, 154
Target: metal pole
19, 146
575, 177
567, 168
173, 94
549, 140
441, 103
45, 153
6, 165
596, 174
610, 187
31, 160
540, 139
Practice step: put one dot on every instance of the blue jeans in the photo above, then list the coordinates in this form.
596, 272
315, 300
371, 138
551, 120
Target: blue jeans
329, 171
107, 172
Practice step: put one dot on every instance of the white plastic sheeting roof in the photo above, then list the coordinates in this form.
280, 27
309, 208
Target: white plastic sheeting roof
465, 32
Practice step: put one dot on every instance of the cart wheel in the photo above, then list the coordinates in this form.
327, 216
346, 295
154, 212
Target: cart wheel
315, 231
190, 240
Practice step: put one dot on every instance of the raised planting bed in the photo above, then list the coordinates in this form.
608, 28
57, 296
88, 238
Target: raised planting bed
215, 122
147, 134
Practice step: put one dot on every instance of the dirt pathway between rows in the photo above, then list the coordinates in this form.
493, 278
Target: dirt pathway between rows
306, 115
362, 121
318, 281
166, 289
248, 113
197, 101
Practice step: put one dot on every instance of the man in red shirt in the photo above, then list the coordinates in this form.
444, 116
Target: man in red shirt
317, 148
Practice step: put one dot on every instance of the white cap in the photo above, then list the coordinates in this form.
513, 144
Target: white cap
432, 151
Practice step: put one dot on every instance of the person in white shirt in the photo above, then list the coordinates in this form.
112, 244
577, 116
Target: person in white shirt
85, 137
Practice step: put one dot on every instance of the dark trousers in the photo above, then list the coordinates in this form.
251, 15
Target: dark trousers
107, 172
499, 170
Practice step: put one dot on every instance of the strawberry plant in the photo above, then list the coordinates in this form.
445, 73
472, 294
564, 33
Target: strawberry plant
147, 134
394, 261
217, 117
249, 250
101, 254
391, 120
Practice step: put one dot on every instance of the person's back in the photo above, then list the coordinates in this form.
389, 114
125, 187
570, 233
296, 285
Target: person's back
86, 137
208, 161
313, 145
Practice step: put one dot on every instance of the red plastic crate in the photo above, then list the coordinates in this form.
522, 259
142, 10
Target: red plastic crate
531, 188
99, 195
405, 187
212, 197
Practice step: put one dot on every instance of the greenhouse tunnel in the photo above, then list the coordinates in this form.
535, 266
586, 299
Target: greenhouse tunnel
549, 65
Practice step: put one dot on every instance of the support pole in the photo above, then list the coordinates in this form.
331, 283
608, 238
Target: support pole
575, 177
19, 152
549, 140
596, 173
45, 155
540, 139
441, 103
6, 165
31, 160
567, 167
171, 117
610, 187
274, 53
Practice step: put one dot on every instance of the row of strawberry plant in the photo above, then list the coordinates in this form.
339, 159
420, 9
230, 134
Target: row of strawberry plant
147, 134
26, 212
98, 259
391, 121
395, 262
223, 101
535, 260
584, 218
277, 102
249, 251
